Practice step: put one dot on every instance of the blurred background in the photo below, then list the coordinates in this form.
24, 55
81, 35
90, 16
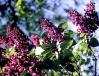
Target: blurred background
28, 13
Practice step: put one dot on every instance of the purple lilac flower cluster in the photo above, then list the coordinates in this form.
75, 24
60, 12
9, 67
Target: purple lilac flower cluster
54, 33
89, 22
20, 63
14, 36
20, 40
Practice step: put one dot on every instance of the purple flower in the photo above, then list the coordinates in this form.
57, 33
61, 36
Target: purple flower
16, 37
89, 22
20, 63
54, 34
90, 12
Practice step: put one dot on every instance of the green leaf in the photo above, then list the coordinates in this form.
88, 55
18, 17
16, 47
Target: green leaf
49, 60
48, 55
56, 73
66, 44
63, 25
75, 74
83, 61
32, 52
93, 42
65, 56
67, 52
19, 3
76, 54
49, 47
83, 46
68, 32
89, 52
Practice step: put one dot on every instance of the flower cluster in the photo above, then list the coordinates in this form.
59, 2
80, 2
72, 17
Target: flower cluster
20, 63
53, 32
21, 41
14, 36
89, 22
90, 13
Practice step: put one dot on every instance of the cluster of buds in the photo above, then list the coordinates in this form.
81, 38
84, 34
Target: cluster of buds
88, 23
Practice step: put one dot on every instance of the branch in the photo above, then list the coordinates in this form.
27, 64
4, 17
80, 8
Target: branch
13, 11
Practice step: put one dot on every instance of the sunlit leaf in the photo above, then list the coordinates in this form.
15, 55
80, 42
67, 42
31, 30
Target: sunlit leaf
56, 73
75, 74
83, 46
10, 52
48, 55
32, 52
19, 3
63, 25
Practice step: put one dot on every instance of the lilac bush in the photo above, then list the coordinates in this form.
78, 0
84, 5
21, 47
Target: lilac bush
61, 51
